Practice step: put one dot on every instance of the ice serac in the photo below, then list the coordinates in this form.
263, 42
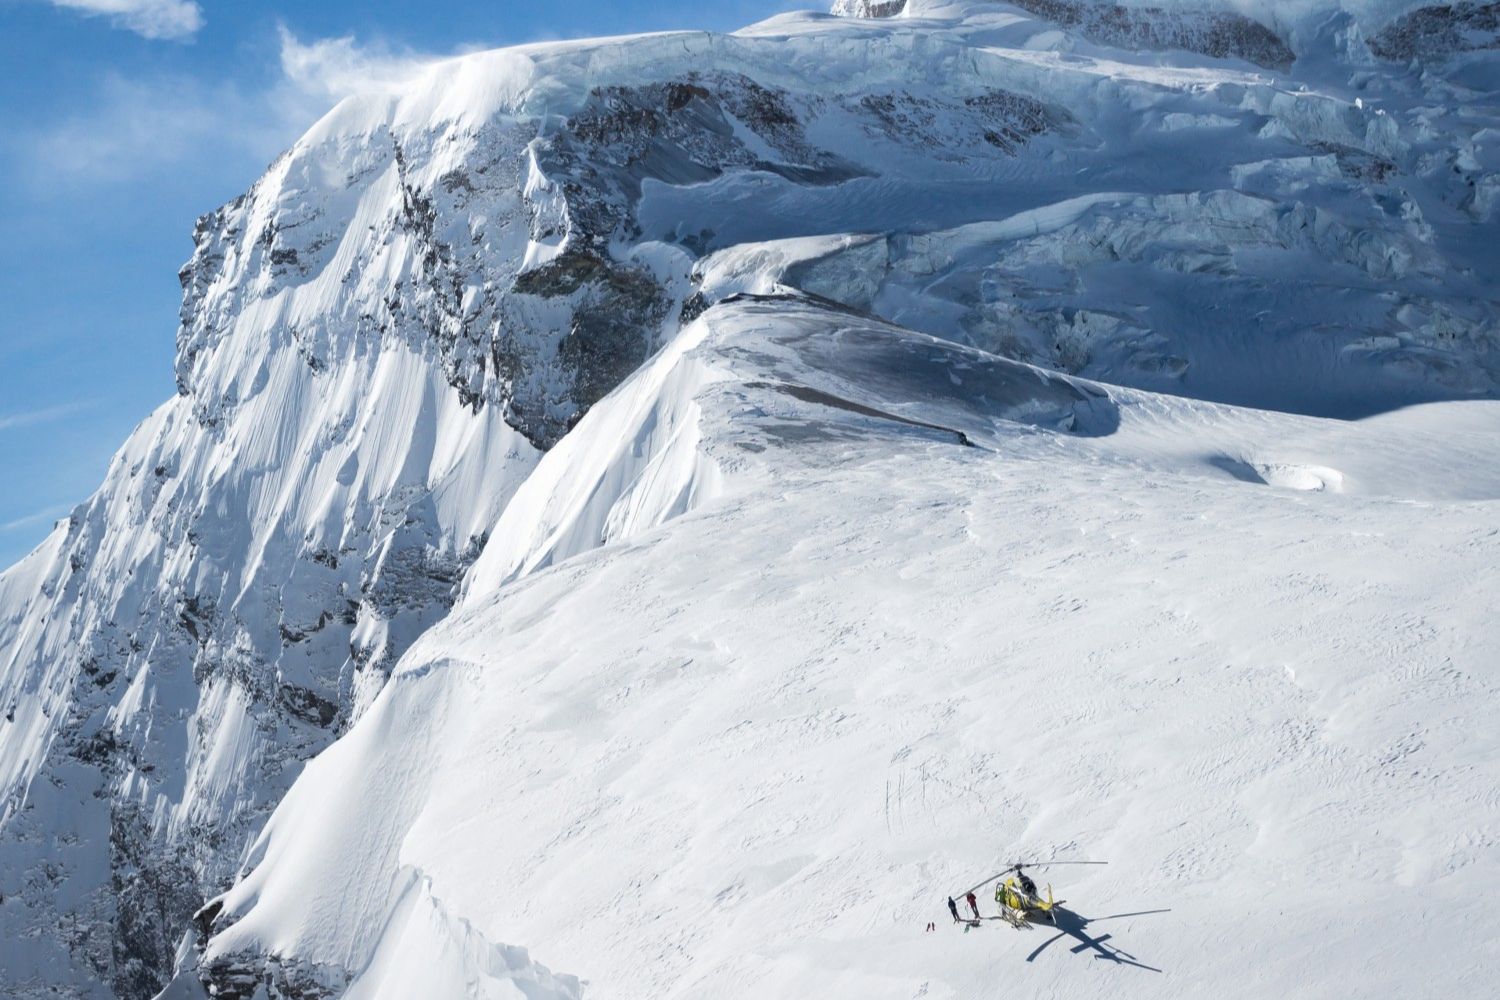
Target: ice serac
868, 8
546, 305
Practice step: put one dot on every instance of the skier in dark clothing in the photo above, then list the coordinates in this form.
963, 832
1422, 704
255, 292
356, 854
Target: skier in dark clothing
973, 905
1026, 882
953, 909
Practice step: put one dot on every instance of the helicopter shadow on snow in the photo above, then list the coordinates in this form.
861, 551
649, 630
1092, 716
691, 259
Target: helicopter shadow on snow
1069, 924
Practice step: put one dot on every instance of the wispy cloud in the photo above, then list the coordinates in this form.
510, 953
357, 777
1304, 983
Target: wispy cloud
39, 517
175, 19
43, 415
137, 128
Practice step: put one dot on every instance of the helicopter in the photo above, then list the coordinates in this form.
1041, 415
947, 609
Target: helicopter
1017, 896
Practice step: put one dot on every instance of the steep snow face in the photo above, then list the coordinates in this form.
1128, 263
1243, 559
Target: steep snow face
437, 286
942, 611
234, 595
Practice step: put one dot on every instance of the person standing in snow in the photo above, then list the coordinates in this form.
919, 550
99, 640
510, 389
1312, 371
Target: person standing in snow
953, 909
973, 904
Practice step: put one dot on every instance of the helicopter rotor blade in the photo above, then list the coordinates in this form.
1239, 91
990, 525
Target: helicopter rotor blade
1026, 864
987, 881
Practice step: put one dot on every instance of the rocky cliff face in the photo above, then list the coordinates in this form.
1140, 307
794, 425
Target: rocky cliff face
380, 339
1440, 31
1216, 33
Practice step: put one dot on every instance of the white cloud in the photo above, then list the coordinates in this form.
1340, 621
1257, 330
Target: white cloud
136, 128
140, 128
149, 18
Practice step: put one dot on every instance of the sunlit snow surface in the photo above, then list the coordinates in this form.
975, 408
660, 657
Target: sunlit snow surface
751, 752
994, 509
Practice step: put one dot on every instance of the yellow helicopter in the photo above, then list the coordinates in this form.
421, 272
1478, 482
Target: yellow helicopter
1018, 898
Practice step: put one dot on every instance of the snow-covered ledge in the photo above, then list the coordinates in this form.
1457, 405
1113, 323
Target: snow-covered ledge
868, 8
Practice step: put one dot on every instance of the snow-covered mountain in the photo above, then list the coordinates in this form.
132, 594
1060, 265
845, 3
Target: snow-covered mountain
695, 499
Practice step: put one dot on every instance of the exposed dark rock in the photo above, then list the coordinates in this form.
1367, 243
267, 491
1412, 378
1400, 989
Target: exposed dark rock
231, 981
1220, 34
101, 676
612, 335
156, 894
1003, 119
496, 350
614, 322
204, 919
1439, 31
241, 977
693, 306
196, 617
411, 578
307, 705
678, 132
564, 275
682, 131
1357, 164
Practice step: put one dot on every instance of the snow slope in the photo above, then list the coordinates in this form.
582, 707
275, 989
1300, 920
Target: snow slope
751, 752
400, 374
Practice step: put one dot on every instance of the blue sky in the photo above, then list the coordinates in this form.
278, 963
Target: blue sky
121, 121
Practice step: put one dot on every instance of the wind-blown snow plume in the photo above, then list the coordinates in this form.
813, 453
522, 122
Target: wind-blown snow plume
335, 68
